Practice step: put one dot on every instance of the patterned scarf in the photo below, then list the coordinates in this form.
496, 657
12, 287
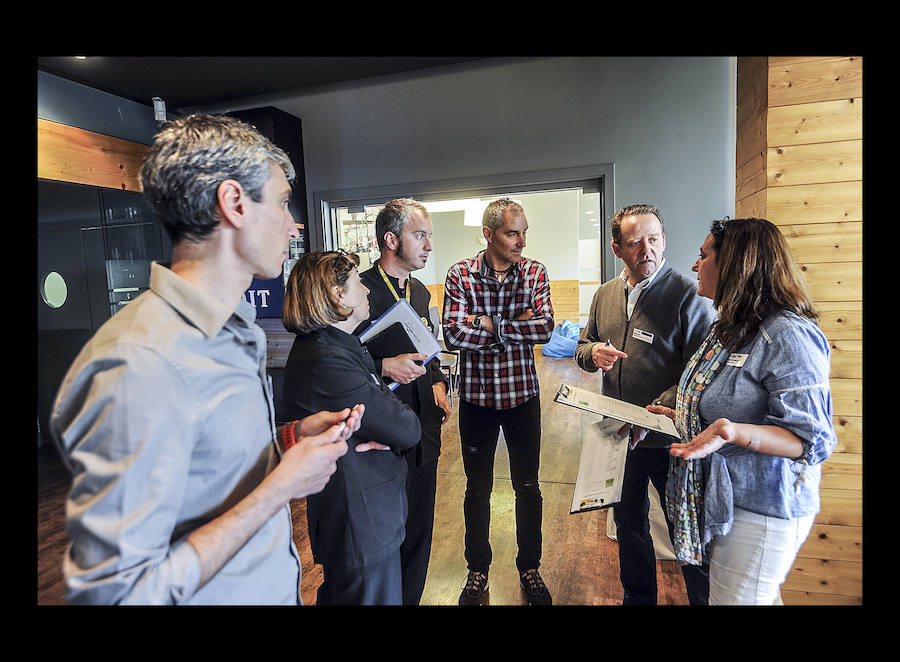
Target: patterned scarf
684, 488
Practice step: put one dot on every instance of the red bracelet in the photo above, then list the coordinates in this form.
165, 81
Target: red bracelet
287, 435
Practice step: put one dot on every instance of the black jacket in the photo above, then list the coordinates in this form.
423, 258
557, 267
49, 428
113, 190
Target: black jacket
418, 394
360, 516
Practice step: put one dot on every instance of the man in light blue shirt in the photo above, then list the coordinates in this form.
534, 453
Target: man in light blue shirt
180, 494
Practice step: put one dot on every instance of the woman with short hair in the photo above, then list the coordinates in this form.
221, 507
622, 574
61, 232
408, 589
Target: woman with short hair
357, 523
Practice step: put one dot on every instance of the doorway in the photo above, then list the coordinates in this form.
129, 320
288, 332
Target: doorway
568, 216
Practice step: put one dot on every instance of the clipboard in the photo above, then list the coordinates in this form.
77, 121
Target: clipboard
400, 330
617, 409
392, 341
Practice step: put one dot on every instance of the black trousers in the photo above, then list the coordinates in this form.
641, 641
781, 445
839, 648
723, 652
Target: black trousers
421, 483
479, 429
375, 584
637, 559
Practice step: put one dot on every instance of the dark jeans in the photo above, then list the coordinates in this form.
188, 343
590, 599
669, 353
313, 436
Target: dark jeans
479, 429
415, 551
375, 584
637, 559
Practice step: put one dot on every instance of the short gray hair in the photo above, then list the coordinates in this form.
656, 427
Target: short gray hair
493, 214
394, 216
188, 160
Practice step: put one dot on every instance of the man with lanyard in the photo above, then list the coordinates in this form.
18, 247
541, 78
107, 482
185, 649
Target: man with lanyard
496, 308
643, 328
403, 228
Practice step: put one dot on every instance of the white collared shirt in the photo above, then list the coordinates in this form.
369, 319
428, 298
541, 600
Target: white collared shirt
635, 292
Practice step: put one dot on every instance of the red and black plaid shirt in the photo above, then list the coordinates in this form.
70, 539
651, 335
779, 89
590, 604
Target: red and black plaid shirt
497, 369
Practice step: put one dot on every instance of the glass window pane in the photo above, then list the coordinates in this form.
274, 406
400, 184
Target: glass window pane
356, 233
566, 229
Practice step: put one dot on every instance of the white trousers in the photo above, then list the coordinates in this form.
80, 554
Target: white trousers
748, 566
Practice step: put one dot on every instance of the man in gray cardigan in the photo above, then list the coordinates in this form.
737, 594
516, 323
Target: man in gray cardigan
643, 328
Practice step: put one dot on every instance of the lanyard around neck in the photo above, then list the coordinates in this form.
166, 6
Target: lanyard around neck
394, 292
391, 287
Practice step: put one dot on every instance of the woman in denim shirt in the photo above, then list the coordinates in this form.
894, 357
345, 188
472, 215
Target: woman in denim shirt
744, 487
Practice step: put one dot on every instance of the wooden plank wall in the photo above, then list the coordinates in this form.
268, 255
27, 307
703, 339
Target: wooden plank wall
799, 164
69, 154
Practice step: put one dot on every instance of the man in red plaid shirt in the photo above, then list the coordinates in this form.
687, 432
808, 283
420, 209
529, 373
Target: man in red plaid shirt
496, 308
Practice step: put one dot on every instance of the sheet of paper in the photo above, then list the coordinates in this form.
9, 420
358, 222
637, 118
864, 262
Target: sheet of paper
618, 409
602, 465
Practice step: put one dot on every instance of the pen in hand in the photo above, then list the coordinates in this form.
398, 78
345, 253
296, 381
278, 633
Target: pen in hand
605, 355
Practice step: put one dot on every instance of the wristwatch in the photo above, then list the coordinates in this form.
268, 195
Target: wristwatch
476, 323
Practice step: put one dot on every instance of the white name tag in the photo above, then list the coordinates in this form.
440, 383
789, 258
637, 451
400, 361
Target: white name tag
736, 360
643, 336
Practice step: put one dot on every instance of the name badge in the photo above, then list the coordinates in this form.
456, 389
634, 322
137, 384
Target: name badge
736, 360
643, 336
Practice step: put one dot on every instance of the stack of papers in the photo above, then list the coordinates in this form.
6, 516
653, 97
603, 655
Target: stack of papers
601, 468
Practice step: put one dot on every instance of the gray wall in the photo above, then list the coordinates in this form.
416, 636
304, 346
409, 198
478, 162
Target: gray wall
666, 123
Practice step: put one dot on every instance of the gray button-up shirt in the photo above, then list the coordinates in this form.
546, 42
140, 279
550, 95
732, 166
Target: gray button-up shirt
166, 421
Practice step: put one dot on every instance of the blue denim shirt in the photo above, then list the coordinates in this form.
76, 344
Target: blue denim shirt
783, 381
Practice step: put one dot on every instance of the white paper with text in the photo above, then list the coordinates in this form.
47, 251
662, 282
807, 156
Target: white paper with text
601, 468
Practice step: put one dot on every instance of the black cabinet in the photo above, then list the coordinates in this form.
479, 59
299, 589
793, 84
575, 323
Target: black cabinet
285, 131
95, 246
132, 239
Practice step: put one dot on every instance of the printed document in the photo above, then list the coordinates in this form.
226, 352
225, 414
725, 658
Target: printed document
602, 465
617, 409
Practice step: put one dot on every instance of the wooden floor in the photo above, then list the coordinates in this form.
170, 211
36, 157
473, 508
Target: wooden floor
580, 564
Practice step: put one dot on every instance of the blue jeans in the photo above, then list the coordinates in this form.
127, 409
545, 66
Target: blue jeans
637, 558
479, 429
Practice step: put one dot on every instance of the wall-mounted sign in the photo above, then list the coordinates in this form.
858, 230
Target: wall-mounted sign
266, 296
